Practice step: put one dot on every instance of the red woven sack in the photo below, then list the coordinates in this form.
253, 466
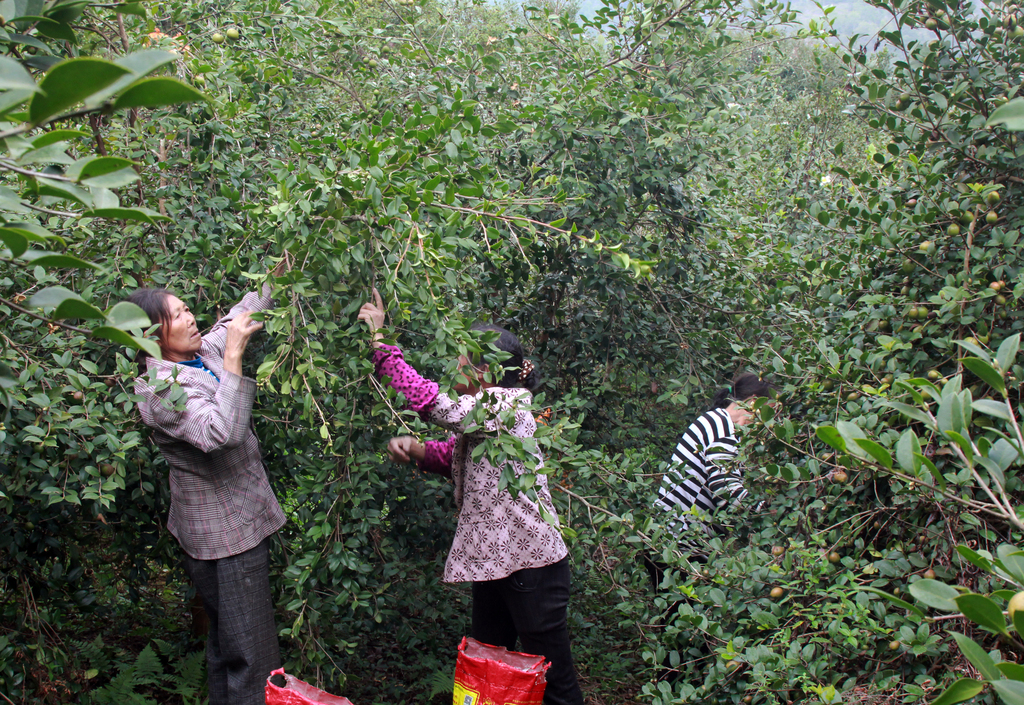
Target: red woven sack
493, 675
295, 692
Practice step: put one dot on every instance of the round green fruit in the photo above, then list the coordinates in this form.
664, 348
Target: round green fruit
953, 230
853, 396
233, 34
894, 646
927, 246
928, 574
1017, 32
933, 375
732, 665
372, 63
776, 593
967, 217
834, 557
931, 24
993, 198
828, 385
1000, 300
107, 470
199, 79
778, 550
909, 266
839, 477
992, 218
1016, 603
217, 38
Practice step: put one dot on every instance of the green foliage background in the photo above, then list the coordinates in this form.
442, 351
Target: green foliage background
653, 198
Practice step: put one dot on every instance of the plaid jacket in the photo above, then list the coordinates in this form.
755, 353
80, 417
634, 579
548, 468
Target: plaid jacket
221, 501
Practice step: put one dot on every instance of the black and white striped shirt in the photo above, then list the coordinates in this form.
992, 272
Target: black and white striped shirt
694, 479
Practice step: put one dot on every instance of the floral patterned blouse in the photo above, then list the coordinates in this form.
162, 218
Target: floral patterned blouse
496, 534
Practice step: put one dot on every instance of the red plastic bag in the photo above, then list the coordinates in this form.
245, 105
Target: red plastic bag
295, 692
493, 675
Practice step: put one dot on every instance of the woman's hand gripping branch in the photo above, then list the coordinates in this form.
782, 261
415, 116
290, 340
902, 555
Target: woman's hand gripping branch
373, 315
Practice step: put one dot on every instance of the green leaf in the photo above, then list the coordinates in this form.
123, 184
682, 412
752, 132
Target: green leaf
96, 166
1010, 115
52, 297
155, 92
15, 241
906, 448
935, 594
1010, 692
69, 83
1013, 671
56, 30
139, 64
965, 443
911, 412
977, 350
9, 201
975, 558
63, 190
116, 335
50, 154
1007, 353
55, 261
978, 657
143, 215
924, 460
12, 99
126, 315
830, 435
963, 689
903, 604
1004, 453
13, 76
986, 372
57, 136
982, 611
876, 451
76, 308
991, 408
115, 179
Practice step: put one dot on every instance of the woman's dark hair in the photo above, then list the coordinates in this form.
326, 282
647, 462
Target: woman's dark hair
508, 342
154, 303
744, 386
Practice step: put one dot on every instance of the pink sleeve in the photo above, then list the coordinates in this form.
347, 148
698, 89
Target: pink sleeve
437, 457
420, 392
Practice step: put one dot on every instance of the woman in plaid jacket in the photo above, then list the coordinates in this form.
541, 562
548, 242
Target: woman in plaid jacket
223, 510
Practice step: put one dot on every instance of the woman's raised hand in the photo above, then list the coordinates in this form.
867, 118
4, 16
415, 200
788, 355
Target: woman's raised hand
405, 449
373, 314
239, 330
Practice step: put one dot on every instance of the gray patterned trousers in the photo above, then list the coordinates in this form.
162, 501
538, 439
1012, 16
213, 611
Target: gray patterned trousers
242, 648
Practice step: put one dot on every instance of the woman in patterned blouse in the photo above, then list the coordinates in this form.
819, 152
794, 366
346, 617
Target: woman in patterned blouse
516, 560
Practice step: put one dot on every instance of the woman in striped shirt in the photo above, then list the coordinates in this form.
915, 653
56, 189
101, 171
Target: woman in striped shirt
695, 485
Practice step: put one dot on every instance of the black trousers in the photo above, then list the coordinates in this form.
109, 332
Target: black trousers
242, 648
531, 605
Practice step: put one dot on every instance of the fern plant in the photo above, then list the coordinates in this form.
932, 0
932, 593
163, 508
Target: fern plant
139, 681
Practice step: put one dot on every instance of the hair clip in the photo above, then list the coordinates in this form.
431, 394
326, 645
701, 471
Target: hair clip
527, 368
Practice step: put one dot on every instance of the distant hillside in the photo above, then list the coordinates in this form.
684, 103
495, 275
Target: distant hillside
851, 16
